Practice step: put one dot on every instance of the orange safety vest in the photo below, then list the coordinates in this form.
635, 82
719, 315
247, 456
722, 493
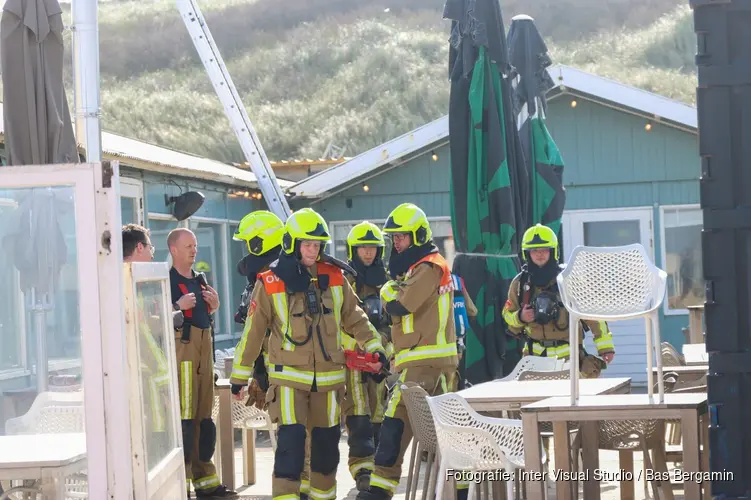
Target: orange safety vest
273, 284
447, 284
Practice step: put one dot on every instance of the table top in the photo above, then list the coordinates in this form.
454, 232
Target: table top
695, 354
41, 450
523, 391
689, 400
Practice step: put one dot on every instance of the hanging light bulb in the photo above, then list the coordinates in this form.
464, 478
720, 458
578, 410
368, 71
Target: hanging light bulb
573, 103
365, 188
435, 156
648, 127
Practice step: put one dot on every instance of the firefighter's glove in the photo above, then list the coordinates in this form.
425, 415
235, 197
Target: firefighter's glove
236, 388
389, 291
380, 376
262, 381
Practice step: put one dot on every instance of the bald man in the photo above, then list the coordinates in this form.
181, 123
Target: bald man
192, 295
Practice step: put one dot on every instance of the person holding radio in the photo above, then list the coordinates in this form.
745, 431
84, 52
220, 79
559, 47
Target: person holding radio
534, 308
198, 301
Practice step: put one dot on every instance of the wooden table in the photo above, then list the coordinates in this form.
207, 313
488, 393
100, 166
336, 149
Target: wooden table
498, 395
688, 408
695, 354
43, 457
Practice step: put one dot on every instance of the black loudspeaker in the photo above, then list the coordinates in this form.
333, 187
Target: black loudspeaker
723, 96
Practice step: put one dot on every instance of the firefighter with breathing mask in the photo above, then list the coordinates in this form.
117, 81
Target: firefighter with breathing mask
419, 299
307, 304
534, 308
365, 394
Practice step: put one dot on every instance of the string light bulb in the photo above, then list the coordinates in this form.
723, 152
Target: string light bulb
435, 156
365, 188
573, 103
648, 127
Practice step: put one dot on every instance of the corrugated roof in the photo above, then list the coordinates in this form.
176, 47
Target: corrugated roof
150, 157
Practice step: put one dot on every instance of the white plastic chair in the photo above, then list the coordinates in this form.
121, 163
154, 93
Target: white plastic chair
468, 441
534, 363
613, 284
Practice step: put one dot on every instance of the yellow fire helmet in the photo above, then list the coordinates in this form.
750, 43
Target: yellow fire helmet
261, 231
409, 218
305, 225
539, 236
365, 234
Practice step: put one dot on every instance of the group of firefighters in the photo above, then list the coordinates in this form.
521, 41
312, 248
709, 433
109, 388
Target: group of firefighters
304, 309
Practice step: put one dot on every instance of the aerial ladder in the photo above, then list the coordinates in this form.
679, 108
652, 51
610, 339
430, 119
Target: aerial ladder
233, 107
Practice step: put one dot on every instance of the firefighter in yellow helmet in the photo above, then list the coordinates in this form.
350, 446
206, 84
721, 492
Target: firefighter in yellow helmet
365, 394
307, 304
534, 308
419, 299
262, 232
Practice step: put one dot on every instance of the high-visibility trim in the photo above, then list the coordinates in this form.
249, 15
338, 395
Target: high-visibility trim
368, 465
337, 295
186, 390
374, 344
605, 341
425, 352
239, 370
280, 373
389, 294
377, 416
305, 486
287, 405
396, 396
444, 308
317, 494
512, 318
408, 323
347, 342
389, 350
332, 409
287, 497
159, 357
281, 306
383, 483
205, 483
444, 385
355, 388
560, 352
462, 485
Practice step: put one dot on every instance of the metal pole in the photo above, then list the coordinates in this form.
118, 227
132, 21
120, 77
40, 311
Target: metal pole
86, 71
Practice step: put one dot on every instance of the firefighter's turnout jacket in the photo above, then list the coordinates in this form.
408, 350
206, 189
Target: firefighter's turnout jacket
293, 362
549, 340
426, 336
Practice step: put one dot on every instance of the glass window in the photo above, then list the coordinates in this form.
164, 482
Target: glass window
129, 210
39, 310
442, 237
611, 233
211, 254
158, 231
682, 240
155, 388
238, 250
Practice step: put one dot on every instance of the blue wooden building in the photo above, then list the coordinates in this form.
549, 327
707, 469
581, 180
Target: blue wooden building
631, 175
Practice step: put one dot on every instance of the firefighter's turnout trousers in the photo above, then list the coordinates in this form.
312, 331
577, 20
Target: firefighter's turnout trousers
195, 375
396, 431
293, 410
362, 410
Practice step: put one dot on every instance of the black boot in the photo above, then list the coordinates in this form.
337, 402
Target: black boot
220, 492
362, 480
374, 493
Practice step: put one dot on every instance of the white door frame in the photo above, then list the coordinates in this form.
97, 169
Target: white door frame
99, 254
573, 222
133, 188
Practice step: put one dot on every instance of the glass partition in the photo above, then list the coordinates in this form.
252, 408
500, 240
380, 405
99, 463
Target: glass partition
154, 400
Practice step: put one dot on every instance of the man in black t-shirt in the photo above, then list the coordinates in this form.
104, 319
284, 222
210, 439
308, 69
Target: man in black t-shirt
195, 371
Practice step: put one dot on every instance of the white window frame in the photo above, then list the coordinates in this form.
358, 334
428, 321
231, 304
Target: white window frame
168, 477
664, 253
606, 214
133, 188
97, 211
225, 294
